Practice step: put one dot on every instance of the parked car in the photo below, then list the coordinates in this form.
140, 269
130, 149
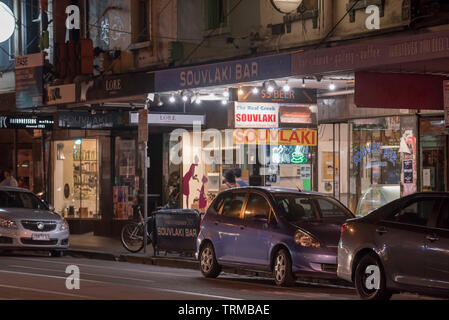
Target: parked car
279, 230
27, 222
406, 241
376, 196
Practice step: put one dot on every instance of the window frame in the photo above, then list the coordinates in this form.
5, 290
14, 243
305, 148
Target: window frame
431, 220
271, 215
234, 193
335, 203
309, 197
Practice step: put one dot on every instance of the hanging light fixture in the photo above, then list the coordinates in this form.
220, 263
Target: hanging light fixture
255, 90
172, 99
332, 86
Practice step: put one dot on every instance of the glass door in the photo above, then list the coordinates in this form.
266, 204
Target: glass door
433, 144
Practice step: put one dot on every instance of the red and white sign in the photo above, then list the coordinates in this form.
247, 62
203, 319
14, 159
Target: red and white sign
256, 115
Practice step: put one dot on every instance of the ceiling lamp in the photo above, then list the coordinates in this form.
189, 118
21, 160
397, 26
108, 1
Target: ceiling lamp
332, 86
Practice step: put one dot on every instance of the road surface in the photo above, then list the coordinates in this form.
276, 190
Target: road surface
24, 276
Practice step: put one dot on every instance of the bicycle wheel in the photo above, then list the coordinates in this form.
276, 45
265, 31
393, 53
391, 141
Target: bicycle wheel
132, 237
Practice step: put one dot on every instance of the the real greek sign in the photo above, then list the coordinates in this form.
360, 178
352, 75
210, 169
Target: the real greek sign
256, 115
374, 149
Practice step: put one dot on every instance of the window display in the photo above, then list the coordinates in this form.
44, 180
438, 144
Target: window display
76, 173
126, 183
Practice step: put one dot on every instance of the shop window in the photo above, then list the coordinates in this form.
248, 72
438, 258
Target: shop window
433, 141
375, 162
76, 174
126, 182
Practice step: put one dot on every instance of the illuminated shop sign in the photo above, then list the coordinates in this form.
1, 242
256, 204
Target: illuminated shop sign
299, 137
289, 154
247, 70
260, 94
251, 115
26, 122
374, 149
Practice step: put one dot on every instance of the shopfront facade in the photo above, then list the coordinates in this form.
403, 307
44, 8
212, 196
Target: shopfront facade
379, 154
21, 146
269, 134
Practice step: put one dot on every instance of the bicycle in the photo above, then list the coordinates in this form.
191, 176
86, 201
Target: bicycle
132, 233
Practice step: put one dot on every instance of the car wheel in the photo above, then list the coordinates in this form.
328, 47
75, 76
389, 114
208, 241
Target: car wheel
56, 253
282, 269
208, 262
366, 284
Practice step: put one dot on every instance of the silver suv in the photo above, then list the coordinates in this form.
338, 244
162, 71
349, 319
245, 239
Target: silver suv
26, 222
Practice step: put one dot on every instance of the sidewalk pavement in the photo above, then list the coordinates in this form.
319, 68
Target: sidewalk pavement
104, 248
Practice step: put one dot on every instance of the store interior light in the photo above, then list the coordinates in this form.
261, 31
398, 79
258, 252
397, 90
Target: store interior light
270, 88
198, 100
332, 86
286, 87
226, 94
184, 98
240, 92
224, 102
255, 90
172, 99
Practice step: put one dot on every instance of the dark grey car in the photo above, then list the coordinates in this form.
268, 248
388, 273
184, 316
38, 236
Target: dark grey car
402, 246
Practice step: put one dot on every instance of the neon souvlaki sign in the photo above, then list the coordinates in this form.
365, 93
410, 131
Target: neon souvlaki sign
372, 149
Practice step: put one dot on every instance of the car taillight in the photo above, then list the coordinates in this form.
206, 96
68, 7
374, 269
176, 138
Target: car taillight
344, 226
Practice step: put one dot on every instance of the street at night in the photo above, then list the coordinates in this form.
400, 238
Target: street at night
273, 154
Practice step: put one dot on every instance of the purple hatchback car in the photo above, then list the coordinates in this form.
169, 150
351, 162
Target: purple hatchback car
278, 230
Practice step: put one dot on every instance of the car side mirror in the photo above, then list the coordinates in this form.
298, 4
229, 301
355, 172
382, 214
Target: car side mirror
51, 208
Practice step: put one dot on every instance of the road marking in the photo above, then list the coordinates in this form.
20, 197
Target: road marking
90, 274
131, 286
45, 291
112, 268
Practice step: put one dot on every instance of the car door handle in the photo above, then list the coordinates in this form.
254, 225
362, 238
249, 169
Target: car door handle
381, 230
432, 237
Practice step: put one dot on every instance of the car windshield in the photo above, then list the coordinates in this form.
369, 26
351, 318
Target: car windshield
304, 208
18, 199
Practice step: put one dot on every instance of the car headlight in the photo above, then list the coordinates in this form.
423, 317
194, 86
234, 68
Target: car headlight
8, 223
305, 240
64, 225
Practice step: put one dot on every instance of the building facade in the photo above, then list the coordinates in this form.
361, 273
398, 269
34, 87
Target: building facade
372, 141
